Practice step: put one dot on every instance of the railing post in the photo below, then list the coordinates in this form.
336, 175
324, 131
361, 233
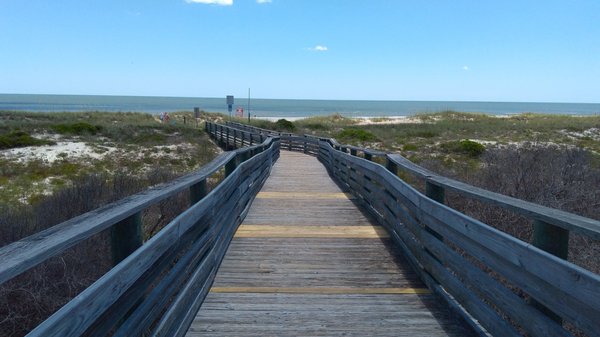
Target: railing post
554, 240
435, 192
368, 156
230, 166
198, 191
227, 140
391, 166
234, 138
550, 238
126, 237
353, 152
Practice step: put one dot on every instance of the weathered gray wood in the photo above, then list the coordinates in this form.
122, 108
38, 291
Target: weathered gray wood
569, 221
421, 207
126, 237
81, 313
24, 254
146, 314
198, 191
312, 263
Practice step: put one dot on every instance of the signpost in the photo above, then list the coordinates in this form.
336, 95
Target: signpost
229, 104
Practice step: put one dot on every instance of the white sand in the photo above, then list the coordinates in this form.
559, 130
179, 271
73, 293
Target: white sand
360, 120
51, 153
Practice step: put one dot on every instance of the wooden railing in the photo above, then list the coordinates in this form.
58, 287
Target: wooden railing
158, 287
496, 282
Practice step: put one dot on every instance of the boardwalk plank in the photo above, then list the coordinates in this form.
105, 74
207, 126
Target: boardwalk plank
278, 281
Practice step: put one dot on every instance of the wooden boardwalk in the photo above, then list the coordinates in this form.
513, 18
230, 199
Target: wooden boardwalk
307, 262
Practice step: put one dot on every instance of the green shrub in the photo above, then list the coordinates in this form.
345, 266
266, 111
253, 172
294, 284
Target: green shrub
410, 147
149, 137
21, 139
468, 147
357, 135
78, 128
423, 133
317, 126
284, 124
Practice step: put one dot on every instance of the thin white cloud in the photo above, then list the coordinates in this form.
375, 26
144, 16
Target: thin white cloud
318, 48
263, 1
466, 68
212, 2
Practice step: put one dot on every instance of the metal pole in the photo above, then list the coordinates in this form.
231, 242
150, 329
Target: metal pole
248, 105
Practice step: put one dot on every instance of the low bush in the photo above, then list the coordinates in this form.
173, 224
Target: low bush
18, 138
468, 147
79, 128
353, 134
284, 124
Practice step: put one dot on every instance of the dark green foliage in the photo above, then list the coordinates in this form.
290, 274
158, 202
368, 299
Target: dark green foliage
79, 128
468, 147
353, 134
20, 139
317, 126
423, 133
284, 124
150, 137
410, 147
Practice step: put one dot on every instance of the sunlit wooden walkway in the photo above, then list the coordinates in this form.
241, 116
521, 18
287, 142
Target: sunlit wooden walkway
306, 262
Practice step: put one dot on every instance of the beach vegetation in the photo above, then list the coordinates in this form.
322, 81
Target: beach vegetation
466, 146
410, 147
91, 159
18, 138
355, 134
284, 125
78, 128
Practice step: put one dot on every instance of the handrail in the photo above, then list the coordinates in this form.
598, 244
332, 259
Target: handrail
428, 232
566, 220
157, 289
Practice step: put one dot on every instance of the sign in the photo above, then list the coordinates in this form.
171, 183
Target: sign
229, 103
239, 112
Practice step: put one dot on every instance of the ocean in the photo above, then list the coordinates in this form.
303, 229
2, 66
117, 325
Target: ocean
285, 108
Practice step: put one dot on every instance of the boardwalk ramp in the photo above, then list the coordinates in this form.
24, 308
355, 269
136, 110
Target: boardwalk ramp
307, 262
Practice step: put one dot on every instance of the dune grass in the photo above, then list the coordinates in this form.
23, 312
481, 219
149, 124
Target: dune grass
124, 143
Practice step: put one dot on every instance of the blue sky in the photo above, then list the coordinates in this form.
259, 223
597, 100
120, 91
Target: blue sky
479, 50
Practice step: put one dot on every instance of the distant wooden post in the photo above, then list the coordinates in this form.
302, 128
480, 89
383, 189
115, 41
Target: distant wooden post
198, 191
227, 139
391, 166
554, 240
550, 238
126, 237
230, 166
438, 194
435, 192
